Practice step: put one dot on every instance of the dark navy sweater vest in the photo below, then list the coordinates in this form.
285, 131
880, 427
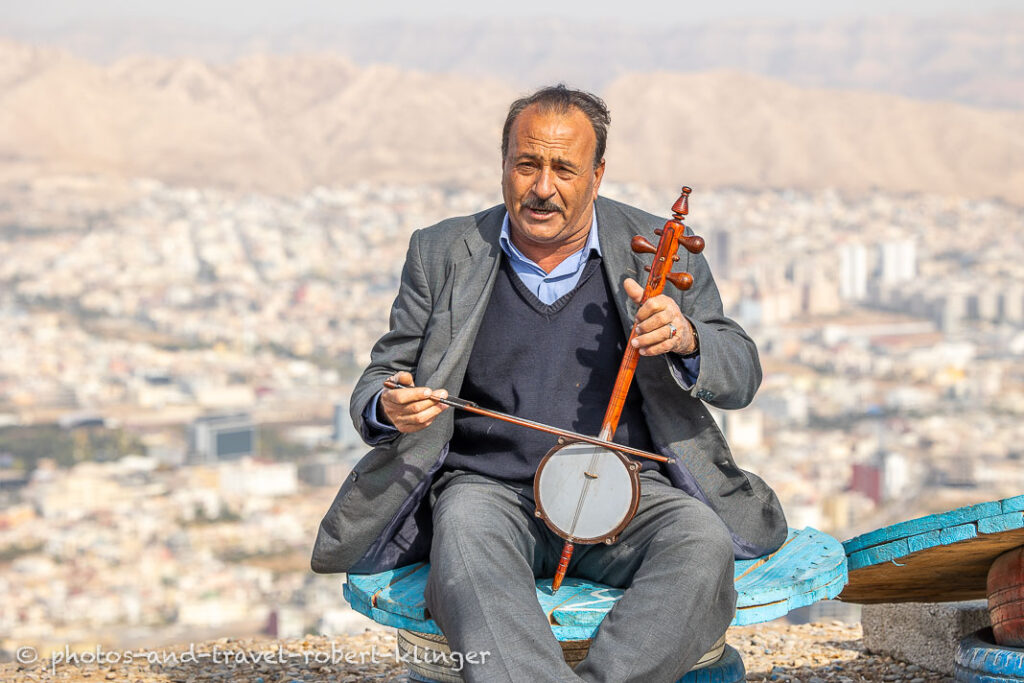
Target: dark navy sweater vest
553, 363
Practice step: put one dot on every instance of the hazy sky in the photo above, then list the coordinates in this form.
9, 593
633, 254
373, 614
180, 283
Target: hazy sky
247, 15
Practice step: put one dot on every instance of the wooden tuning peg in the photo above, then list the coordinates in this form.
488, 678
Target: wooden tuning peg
682, 281
641, 245
693, 243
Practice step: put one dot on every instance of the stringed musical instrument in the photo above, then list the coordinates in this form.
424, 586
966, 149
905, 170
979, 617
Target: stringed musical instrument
586, 490
587, 493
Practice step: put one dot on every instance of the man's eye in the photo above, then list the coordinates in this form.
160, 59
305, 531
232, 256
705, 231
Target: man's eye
525, 168
565, 174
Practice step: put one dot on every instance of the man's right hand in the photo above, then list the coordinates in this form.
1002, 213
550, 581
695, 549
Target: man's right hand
411, 409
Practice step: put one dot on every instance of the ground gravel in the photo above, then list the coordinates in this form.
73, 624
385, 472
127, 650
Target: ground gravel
810, 653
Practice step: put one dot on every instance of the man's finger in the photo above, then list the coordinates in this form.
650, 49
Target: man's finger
404, 378
405, 396
633, 289
656, 321
408, 408
661, 335
655, 305
408, 423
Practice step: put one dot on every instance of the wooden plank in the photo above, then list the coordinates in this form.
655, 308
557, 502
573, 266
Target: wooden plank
759, 613
1004, 522
387, 618
744, 567
936, 574
404, 597
564, 633
588, 607
368, 585
810, 560
913, 527
809, 567
946, 559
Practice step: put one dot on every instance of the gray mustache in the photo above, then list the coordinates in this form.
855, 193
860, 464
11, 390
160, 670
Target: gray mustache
541, 205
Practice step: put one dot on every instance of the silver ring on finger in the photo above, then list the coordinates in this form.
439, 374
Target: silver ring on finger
671, 330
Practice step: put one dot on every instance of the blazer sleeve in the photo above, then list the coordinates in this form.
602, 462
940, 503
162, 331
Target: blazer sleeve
399, 349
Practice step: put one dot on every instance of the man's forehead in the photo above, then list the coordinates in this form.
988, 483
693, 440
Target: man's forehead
565, 130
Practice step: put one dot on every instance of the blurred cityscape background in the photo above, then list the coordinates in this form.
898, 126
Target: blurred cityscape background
202, 225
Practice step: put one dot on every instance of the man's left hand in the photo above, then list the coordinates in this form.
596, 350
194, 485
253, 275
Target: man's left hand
660, 325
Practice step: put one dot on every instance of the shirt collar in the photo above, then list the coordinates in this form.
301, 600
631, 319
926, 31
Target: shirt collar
577, 260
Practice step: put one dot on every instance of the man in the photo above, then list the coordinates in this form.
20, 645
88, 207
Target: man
525, 308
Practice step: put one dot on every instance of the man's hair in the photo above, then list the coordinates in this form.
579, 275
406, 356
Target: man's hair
560, 99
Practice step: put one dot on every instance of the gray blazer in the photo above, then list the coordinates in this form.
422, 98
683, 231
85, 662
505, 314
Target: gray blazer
380, 520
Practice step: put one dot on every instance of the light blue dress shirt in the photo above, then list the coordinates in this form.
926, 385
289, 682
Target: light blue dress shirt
549, 288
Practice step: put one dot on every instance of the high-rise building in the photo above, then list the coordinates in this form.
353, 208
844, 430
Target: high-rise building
898, 262
853, 272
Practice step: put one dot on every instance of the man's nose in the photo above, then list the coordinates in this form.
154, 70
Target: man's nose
544, 187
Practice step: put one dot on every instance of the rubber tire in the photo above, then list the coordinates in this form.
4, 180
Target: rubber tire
728, 669
979, 660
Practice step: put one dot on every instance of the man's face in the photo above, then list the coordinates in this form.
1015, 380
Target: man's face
548, 177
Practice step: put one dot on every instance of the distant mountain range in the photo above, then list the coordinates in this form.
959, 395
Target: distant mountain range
971, 58
288, 123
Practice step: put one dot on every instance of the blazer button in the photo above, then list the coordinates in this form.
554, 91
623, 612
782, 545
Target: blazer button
354, 476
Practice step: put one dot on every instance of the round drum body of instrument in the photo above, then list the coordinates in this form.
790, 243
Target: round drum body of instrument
585, 493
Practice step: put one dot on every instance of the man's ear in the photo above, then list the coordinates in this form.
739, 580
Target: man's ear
598, 175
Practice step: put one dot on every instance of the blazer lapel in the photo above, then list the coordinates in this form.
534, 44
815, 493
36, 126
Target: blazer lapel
473, 277
619, 261
474, 273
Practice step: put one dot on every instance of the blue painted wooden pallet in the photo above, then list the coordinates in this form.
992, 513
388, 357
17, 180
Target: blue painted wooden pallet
935, 558
980, 660
809, 567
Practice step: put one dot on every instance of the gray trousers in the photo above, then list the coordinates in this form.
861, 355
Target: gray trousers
675, 560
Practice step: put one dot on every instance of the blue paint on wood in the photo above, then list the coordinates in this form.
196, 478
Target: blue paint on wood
564, 633
743, 565
368, 585
1015, 504
587, 608
811, 566
803, 565
571, 588
913, 527
1008, 521
958, 533
892, 543
929, 539
878, 554
405, 596
387, 618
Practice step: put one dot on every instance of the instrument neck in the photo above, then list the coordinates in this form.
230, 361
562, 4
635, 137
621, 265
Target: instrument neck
620, 390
